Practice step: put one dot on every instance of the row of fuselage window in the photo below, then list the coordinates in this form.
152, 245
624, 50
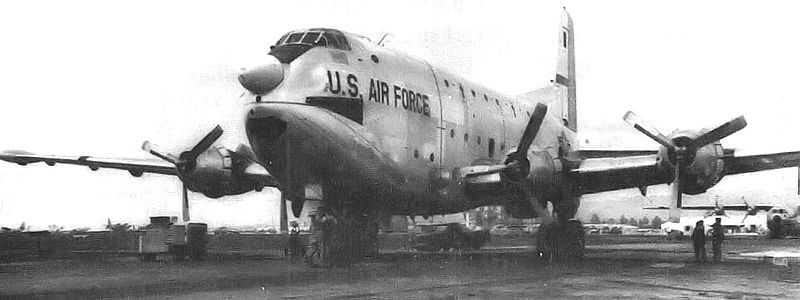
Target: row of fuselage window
485, 98
491, 145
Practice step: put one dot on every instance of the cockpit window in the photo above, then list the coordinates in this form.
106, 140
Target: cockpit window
311, 38
294, 38
316, 37
294, 44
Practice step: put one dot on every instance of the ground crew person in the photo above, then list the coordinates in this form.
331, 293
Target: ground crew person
296, 247
717, 235
699, 241
313, 253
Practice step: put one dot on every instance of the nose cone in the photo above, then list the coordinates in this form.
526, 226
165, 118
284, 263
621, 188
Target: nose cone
264, 78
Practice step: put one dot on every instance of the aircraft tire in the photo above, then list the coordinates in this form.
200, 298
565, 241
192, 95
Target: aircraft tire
561, 241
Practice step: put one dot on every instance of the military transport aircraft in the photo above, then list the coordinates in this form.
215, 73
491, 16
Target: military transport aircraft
377, 132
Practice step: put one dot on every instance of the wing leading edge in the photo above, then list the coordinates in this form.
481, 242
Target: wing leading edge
134, 166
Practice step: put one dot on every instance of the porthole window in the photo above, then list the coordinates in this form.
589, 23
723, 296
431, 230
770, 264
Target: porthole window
491, 148
528, 113
375, 58
461, 87
452, 133
485, 97
416, 153
513, 110
466, 137
502, 146
473, 93
446, 84
479, 140
431, 158
497, 101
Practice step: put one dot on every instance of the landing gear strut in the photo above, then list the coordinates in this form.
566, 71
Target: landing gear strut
340, 238
561, 241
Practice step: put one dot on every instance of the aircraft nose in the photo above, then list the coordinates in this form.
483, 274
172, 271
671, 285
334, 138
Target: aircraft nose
263, 78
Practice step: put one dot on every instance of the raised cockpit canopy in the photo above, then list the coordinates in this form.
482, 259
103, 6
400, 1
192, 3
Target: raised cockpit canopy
295, 43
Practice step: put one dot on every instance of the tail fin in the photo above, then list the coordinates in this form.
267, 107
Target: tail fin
565, 68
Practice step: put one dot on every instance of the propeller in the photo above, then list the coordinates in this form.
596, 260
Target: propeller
718, 210
185, 162
682, 150
750, 211
517, 163
517, 166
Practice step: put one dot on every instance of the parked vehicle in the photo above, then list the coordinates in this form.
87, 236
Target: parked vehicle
451, 236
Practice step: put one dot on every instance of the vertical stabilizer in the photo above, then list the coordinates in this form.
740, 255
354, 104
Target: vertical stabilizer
565, 68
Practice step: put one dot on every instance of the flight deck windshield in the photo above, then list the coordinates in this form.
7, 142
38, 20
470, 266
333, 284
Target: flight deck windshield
294, 44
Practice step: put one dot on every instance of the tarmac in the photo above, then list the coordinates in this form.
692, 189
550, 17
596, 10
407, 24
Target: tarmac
615, 267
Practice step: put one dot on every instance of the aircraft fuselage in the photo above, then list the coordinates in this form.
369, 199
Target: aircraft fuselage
379, 128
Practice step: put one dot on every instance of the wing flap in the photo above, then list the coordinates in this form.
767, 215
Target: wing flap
134, 166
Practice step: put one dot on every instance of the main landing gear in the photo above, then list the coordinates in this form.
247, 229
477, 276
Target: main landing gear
339, 238
561, 241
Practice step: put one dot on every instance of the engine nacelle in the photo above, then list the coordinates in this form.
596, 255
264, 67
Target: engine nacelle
705, 170
220, 172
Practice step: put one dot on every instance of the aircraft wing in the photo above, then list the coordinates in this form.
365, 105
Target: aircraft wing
613, 173
754, 163
607, 170
135, 166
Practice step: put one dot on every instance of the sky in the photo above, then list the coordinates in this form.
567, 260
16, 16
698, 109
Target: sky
98, 78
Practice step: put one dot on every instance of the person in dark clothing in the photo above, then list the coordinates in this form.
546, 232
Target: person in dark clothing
296, 246
699, 241
718, 234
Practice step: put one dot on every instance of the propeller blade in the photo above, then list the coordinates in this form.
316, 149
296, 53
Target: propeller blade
532, 129
204, 144
675, 206
544, 214
151, 148
185, 205
647, 129
721, 132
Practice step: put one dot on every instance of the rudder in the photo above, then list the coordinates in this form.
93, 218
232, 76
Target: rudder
565, 68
